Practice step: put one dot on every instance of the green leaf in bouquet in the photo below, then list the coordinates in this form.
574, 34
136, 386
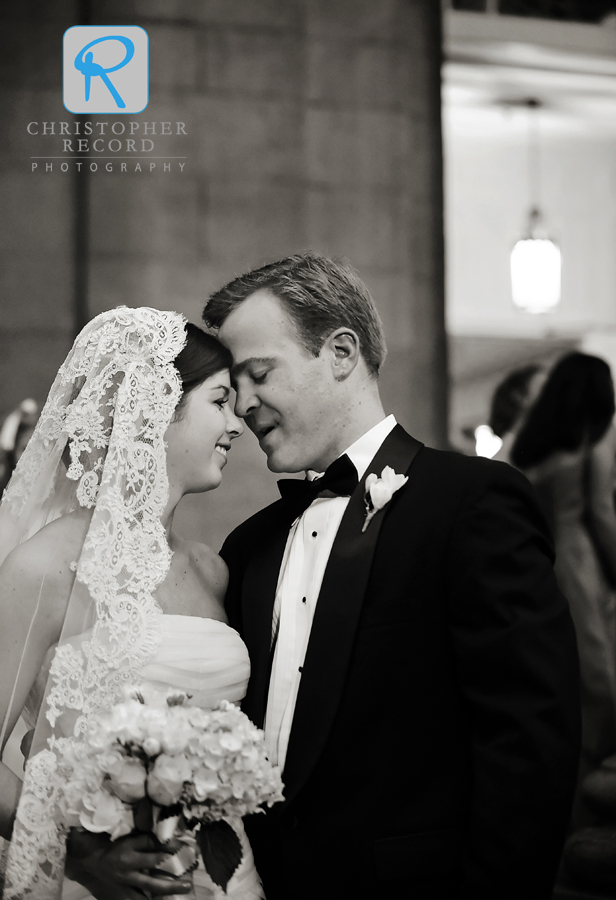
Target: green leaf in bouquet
221, 850
143, 815
167, 812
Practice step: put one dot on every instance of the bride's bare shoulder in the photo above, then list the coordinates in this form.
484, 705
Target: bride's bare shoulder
49, 553
209, 566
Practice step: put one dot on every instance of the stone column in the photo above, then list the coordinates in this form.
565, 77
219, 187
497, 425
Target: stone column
373, 157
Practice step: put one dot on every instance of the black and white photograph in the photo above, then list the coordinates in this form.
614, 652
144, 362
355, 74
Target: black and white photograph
307, 450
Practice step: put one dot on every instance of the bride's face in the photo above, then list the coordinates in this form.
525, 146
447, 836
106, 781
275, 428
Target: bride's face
200, 438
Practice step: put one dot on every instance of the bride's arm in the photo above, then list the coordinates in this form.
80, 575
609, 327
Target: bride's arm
602, 472
33, 579
30, 624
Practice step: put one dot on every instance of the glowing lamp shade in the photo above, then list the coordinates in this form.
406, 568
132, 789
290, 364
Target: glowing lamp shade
486, 442
535, 274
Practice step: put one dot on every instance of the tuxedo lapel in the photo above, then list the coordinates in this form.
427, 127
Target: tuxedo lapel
259, 591
336, 617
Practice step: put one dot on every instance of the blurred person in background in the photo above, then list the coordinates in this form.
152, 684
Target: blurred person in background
566, 446
511, 399
15, 433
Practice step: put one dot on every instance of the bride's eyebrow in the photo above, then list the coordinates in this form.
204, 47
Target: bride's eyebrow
222, 387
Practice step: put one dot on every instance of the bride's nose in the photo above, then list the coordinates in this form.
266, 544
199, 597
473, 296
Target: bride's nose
234, 425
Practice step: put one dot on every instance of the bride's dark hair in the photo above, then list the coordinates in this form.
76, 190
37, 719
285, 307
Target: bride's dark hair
201, 357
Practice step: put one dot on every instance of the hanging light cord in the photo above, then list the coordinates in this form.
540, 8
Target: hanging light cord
534, 164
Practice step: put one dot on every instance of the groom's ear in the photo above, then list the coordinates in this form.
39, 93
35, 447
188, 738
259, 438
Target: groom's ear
343, 347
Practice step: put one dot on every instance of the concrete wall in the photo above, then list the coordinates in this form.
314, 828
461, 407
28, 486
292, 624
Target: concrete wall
310, 124
37, 214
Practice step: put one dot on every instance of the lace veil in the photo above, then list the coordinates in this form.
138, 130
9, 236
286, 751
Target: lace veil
98, 454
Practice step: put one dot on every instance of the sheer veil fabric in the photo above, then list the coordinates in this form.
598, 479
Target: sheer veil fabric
98, 451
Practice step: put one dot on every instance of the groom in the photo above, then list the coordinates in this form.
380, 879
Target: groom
413, 663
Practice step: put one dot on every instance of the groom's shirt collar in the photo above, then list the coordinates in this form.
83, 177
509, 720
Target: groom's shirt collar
365, 448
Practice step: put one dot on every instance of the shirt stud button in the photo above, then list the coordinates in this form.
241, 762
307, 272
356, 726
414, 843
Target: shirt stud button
303, 599
314, 534
301, 668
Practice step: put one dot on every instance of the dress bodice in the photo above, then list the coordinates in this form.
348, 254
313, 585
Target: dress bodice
205, 658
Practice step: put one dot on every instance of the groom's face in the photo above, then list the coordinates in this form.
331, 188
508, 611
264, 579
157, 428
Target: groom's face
286, 396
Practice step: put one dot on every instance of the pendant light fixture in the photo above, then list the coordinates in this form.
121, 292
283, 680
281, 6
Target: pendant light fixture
536, 258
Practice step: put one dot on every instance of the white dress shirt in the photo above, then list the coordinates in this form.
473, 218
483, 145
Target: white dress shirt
303, 565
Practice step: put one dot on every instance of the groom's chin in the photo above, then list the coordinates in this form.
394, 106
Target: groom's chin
277, 464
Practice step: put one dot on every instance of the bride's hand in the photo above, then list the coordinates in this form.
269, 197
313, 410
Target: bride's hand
99, 863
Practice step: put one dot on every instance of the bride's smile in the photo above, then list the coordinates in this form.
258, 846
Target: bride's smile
200, 436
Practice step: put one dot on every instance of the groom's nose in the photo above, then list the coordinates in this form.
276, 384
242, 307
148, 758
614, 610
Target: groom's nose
245, 402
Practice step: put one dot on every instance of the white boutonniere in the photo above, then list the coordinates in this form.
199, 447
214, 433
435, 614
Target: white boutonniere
379, 491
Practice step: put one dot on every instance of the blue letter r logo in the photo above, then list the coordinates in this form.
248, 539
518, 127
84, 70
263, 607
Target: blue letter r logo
89, 68
105, 69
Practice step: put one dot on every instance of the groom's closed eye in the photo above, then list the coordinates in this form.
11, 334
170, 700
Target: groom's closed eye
259, 377
255, 368
248, 377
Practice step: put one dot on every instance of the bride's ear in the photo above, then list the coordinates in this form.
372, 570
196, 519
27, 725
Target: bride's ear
343, 345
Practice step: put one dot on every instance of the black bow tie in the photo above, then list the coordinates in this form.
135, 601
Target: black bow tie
340, 478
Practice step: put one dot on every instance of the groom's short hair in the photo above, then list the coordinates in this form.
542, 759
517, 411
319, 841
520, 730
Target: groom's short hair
319, 294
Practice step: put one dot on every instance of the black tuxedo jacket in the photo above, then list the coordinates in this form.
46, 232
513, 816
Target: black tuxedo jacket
435, 740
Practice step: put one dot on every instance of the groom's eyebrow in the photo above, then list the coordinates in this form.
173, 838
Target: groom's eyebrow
238, 368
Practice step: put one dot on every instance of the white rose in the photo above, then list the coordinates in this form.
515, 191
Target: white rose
371, 479
127, 780
166, 780
151, 746
176, 737
380, 494
124, 722
393, 479
155, 722
105, 813
382, 489
109, 760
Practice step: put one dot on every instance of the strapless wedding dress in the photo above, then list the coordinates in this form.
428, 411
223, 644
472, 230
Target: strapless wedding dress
208, 660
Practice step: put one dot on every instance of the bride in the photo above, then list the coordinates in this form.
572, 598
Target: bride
97, 591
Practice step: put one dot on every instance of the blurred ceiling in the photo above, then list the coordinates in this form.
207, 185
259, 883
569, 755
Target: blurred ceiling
571, 10
495, 63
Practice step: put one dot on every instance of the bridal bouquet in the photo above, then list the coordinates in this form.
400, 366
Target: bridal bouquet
154, 763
